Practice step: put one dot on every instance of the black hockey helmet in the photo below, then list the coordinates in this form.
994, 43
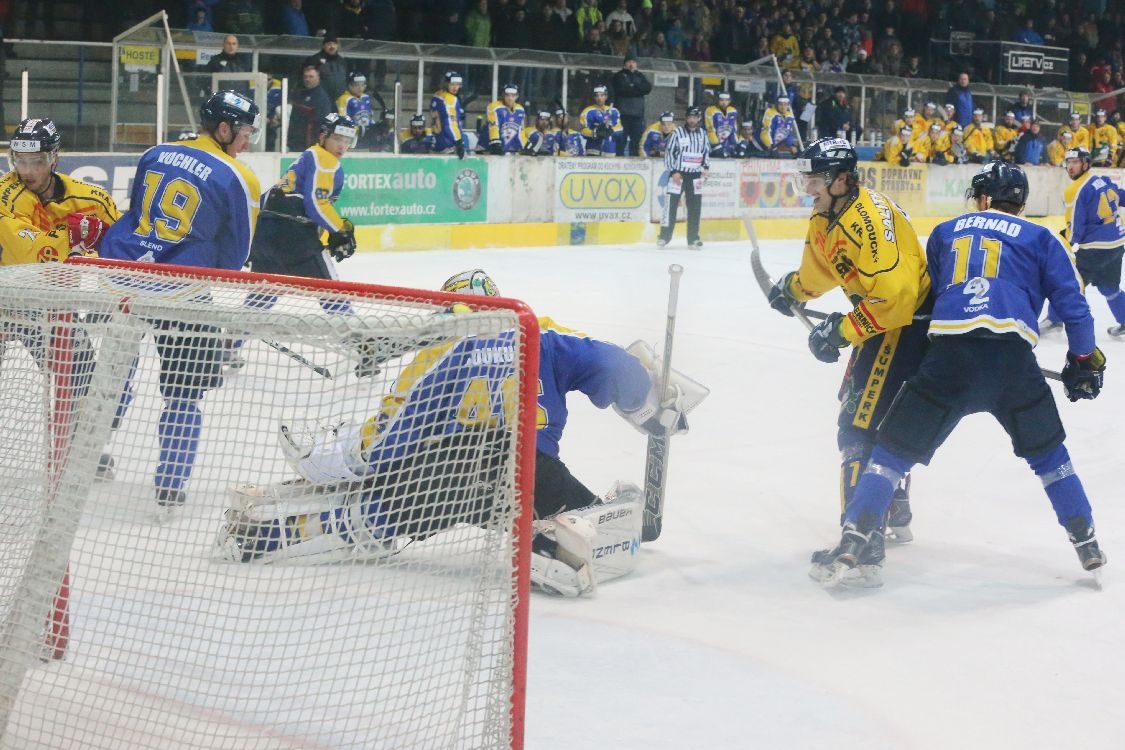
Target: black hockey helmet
356, 77
1078, 152
828, 157
452, 76
334, 124
693, 111
510, 88
1000, 181
233, 108
34, 135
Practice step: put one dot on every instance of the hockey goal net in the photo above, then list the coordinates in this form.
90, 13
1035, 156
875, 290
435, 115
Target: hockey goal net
128, 623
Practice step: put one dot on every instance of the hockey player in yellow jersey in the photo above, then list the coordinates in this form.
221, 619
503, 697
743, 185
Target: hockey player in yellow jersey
1080, 136
979, 141
1103, 141
1056, 149
42, 210
859, 241
1005, 135
900, 150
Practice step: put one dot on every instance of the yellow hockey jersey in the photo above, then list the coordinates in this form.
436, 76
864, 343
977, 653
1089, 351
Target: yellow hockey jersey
1080, 136
978, 140
871, 252
1104, 137
32, 230
1056, 153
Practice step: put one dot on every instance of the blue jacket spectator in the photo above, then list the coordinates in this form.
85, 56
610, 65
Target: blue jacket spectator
1029, 148
961, 98
293, 20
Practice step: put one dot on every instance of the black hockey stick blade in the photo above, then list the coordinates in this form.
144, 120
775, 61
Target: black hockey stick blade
323, 372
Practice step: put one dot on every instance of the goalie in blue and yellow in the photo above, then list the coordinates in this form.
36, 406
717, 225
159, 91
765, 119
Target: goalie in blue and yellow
861, 242
447, 413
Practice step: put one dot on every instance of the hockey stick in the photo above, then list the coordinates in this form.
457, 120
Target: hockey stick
323, 372
765, 283
656, 454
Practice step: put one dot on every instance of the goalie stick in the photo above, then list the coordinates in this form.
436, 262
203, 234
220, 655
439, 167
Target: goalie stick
656, 453
765, 283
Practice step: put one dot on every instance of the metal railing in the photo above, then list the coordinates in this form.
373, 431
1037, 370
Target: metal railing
124, 76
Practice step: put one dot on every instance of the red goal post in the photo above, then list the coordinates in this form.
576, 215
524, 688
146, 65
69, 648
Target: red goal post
162, 638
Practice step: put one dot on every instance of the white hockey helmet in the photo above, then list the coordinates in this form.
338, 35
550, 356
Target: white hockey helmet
475, 281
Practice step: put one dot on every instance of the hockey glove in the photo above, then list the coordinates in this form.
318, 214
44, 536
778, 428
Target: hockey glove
603, 132
780, 298
496, 148
717, 152
1082, 376
459, 148
826, 340
84, 233
341, 245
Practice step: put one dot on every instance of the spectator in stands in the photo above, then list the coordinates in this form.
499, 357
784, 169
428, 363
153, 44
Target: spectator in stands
619, 42
229, 60
785, 46
310, 102
1103, 84
1022, 106
1028, 34
961, 97
588, 17
478, 26
1029, 147
861, 66
200, 22
913, 68
331, 67
293, 19
349, 19
834, 117
621, 13
594, 44
241, 17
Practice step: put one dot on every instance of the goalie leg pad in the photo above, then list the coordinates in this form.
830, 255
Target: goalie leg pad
594, 544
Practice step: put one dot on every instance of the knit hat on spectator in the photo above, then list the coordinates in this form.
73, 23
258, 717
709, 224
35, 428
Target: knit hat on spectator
629, 56
329, 38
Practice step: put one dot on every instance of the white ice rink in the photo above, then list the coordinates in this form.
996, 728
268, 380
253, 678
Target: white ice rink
986, 635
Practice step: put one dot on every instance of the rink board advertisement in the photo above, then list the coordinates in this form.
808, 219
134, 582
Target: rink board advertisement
413, 190
601, 189
768, 187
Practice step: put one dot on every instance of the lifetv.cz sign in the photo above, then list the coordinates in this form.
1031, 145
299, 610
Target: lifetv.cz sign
1043, 66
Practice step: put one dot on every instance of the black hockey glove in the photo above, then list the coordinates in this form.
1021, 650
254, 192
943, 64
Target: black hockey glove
496, 148
780, 298
826, 341
341, 245
904, 158
459, 149
1082, 376
603, 131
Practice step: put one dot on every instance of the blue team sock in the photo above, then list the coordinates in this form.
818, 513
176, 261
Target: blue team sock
1116, 300
876, 487
1062, 485
180, 424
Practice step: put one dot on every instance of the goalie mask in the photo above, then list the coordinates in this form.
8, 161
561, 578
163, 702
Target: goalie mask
471, 282
35, 142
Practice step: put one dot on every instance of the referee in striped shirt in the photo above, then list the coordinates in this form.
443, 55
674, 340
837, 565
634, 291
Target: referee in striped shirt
686, 159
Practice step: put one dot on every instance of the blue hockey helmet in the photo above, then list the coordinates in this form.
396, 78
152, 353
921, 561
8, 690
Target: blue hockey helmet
1000, 181
234, 109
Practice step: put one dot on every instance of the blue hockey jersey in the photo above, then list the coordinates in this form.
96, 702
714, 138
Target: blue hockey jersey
600, 124
653, 141
317, 177
1092, 212
191, 204
504, 125
991, 272
451, 377
446, 117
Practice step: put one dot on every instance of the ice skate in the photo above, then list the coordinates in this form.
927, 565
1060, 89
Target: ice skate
899, 518
856, 561
662, 242
1049, 327
1117, 330
1085, 544
168, 503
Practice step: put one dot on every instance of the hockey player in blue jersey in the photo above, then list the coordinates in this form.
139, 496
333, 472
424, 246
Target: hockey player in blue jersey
568, 142
1097, 234
779, 128
193, 204
600, 123
571, 517
721, 122
447, 117
991, 272
505, 122
359, 107
415, 140
539, 139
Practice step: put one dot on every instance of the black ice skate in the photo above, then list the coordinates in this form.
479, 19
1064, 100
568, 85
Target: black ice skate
856, 561
899, 515
1086, 545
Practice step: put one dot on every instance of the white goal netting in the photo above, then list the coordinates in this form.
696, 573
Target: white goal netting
164, 581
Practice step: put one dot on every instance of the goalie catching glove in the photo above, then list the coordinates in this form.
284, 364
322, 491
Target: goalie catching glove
1082, 376
341, 244
84, 233
663, 414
